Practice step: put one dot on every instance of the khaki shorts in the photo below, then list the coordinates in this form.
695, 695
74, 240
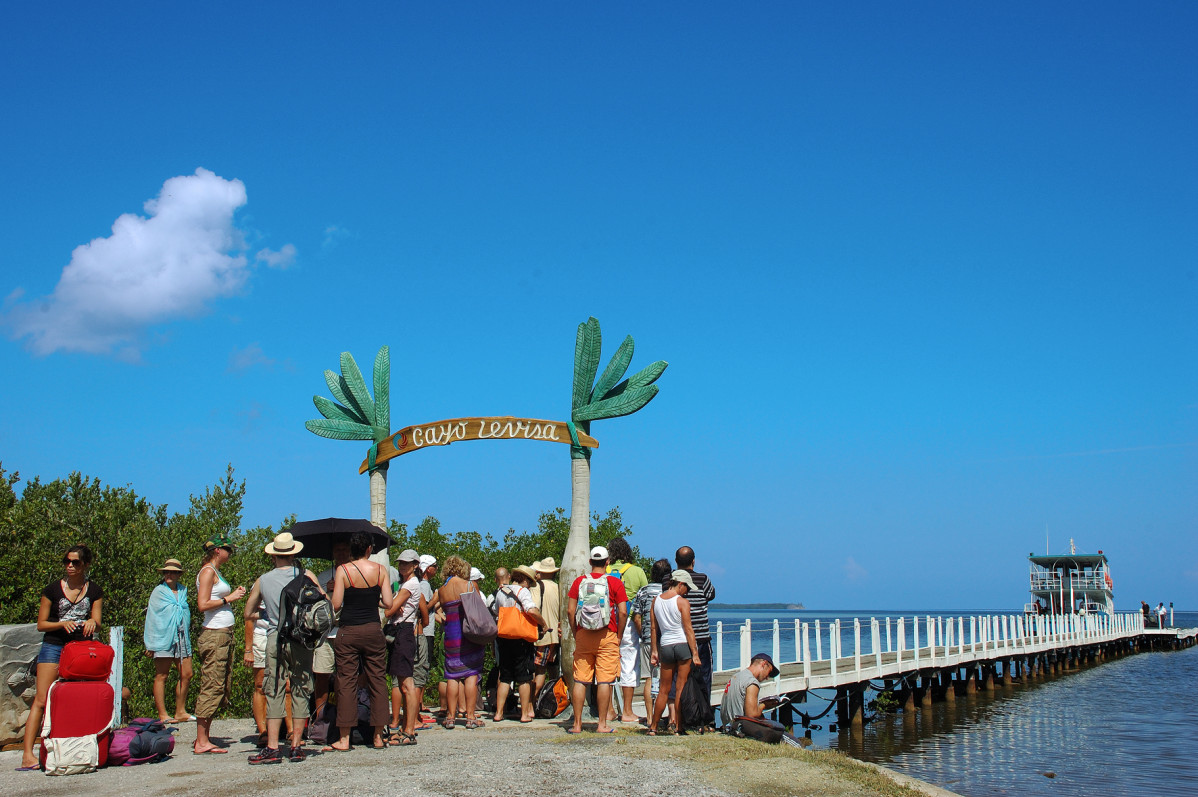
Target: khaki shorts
294, 661
259, 649
596, 656
421, 665
323, 659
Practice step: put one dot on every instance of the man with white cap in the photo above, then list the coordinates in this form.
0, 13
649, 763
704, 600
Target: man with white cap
424, 640
286, 661
597, 611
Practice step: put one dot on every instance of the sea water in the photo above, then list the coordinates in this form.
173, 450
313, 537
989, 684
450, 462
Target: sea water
1127, 726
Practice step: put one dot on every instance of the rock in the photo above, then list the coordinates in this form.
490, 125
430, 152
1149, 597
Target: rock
19, 645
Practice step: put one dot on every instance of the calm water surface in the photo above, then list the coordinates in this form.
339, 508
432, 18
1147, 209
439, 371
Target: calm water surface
1128, 726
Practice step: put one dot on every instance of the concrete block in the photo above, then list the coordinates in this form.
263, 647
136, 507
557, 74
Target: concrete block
19, 645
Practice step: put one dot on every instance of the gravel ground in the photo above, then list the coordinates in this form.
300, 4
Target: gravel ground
501, 759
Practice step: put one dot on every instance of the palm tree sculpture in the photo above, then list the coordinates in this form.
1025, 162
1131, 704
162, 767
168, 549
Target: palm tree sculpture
358, 417
595, 401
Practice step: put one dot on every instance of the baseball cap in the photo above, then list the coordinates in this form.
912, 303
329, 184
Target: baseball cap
409, 556
476, 574
768, 660
427, 561
598, 553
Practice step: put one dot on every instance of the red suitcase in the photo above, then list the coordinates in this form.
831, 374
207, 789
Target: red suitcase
85, 660
80, 708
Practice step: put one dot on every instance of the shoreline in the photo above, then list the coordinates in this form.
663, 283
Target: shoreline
500, 758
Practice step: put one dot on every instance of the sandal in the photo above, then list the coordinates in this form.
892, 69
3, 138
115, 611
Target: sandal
449, 725
406, 740
472, 724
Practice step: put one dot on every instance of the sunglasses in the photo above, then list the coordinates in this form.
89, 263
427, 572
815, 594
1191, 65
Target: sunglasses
66, 560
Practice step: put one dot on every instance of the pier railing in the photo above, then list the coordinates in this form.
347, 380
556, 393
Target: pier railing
875, 647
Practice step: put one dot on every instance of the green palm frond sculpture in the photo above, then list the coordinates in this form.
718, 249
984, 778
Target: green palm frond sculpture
356, 416
609, 397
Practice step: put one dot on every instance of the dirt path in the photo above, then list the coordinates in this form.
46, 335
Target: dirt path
501, 759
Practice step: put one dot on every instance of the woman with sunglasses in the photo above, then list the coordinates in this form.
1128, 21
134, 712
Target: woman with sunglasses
69, 610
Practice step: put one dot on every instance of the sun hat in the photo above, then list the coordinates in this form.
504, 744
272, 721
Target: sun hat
768, 660
284, 545
683, 577
476, 574
171, 566
408, 556
598, 554
427, 561
546, 566
527, 572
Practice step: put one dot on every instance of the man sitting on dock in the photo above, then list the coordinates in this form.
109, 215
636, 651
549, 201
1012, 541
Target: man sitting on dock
740, 695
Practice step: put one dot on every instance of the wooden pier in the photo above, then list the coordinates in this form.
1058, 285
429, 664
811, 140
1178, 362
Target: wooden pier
926, 659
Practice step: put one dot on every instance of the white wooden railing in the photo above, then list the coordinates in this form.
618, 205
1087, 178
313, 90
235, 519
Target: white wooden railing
928, 641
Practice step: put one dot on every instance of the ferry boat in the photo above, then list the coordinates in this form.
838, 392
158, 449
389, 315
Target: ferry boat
1072, 583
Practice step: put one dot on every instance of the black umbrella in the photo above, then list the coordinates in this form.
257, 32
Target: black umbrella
318, 536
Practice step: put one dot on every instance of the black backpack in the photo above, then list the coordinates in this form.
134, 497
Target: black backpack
305, 614
695, 707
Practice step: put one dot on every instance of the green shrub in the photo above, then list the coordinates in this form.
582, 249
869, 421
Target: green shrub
131, 537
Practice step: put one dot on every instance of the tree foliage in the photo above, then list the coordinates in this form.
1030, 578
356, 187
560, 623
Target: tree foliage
131, 537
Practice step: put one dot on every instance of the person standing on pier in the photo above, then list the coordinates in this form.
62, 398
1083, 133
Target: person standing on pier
698, 598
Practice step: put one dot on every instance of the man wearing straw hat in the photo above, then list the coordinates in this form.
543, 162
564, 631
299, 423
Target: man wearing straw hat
286, 661
546, 596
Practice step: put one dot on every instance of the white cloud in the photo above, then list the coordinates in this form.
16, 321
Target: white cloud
169, 264
251, 356
280, 259
334, 235
853, 571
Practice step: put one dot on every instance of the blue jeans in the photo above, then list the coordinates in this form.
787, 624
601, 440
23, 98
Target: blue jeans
49, 653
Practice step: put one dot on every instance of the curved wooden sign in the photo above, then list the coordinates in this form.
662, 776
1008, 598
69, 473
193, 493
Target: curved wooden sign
442, 433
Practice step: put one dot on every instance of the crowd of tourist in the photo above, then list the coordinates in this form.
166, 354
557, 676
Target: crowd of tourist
630, 629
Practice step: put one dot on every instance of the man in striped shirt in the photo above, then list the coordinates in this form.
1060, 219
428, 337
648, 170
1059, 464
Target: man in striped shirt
698, 600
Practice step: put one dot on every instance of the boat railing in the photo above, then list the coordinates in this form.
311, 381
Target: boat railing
863, 644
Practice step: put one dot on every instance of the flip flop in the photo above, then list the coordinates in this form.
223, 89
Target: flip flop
609, 730
572, 731
525, 721
331, 749
30, 768
213, 751
188, 718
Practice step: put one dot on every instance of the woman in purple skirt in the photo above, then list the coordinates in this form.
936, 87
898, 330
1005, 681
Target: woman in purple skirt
463, 658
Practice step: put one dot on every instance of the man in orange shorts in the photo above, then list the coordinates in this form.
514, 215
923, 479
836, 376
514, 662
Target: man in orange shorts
597, 610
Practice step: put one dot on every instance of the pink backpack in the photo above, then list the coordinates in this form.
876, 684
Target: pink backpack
142, 740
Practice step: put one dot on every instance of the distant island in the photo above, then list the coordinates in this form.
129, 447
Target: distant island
758, 607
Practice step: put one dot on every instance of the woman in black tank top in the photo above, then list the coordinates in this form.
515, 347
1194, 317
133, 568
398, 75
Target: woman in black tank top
359, 589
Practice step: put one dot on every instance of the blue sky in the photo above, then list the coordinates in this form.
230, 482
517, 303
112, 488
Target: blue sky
925, 275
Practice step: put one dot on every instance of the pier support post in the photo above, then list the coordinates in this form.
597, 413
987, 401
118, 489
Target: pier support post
925, 700
908, 696
988, 677
950, 688
842, 707
857, 708
1006, 672
971, 680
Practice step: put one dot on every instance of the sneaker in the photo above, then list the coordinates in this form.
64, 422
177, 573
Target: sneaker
266, 755
297, 755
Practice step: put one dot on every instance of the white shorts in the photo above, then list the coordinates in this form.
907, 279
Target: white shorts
259, 649
630, 657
